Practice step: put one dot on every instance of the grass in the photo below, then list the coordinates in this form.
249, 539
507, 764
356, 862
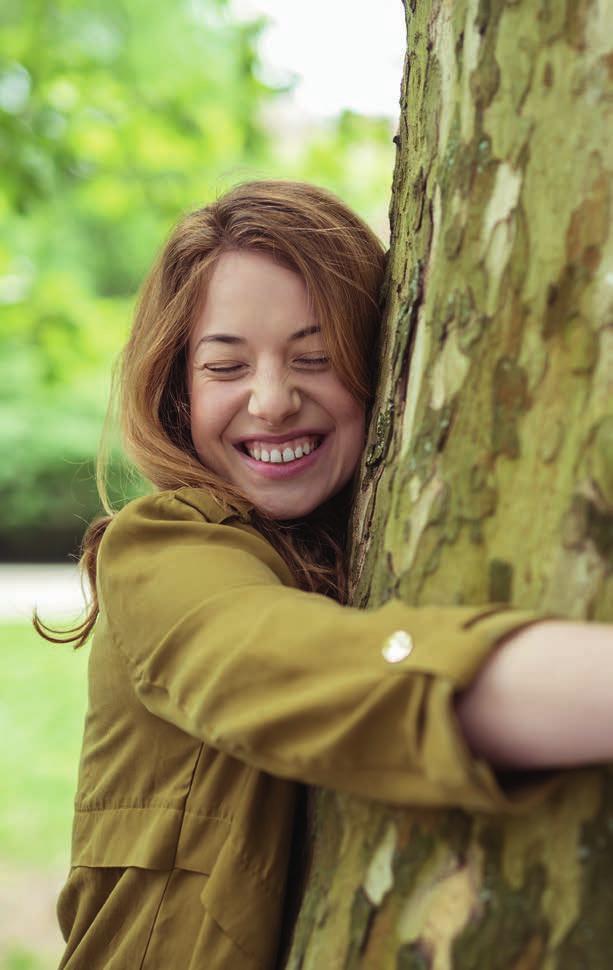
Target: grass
42, 706
19, 958
44, 695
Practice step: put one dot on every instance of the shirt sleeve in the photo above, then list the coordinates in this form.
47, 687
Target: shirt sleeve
291, 682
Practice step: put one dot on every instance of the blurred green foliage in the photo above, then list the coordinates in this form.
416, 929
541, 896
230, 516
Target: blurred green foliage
115, 118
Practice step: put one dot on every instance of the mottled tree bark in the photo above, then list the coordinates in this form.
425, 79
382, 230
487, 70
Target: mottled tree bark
489, 471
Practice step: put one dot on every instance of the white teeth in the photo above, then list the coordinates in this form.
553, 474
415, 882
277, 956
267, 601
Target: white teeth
288, 454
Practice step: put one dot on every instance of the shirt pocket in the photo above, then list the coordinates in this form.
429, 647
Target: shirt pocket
185, 935
245, 905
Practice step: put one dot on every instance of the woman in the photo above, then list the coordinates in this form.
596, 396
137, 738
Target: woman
225, 668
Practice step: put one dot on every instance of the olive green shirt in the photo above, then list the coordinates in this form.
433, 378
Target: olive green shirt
215, 686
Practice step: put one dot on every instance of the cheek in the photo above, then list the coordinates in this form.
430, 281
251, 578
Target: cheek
351, 421
209, 413
358, 438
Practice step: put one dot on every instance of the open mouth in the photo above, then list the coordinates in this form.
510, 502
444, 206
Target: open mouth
278, 463
276, 455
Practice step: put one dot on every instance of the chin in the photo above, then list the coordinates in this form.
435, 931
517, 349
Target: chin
282, 512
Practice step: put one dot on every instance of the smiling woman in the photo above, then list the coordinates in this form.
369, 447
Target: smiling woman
268, 411
268, 259
220, 678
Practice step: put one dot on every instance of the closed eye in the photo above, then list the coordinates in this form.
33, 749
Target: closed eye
312, 360
216, 369
231, 368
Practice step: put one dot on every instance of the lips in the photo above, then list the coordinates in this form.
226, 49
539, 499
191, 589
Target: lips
281, 470
275, 439
305, 443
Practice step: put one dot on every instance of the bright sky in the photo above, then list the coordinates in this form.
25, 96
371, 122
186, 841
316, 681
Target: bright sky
347, 53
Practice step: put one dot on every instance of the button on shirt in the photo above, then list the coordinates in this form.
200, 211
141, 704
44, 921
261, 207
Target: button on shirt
397, 647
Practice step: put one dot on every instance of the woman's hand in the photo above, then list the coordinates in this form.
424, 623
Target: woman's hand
544, 699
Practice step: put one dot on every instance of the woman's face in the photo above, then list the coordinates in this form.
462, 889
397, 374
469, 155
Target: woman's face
268, 413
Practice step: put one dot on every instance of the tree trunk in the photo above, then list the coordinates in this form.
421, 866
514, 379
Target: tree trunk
489, 472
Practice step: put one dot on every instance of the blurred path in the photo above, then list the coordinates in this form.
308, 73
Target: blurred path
54, 588
29, 932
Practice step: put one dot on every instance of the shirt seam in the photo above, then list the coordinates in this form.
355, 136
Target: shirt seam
485, 614
155, 919
247, 952
133, 806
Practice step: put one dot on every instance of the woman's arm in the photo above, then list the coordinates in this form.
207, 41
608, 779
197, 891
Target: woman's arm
197, 615
544, 699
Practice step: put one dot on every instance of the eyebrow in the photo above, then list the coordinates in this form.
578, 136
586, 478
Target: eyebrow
227, 338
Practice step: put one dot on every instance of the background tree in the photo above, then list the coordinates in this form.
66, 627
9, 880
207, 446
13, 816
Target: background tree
489, 472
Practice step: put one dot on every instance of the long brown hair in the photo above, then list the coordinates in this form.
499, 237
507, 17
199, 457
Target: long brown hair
341, 260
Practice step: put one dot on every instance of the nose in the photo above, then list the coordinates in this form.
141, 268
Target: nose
273, 398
